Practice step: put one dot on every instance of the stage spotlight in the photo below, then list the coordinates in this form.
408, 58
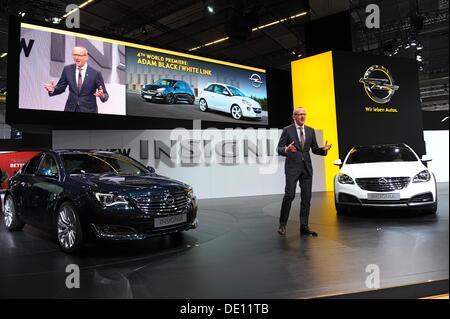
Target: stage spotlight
210, 7
297, 52
54, 20
419, 46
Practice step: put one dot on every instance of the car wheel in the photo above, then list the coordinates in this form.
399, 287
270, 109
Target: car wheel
170, 99
339, 209
68, 226
12, 220
432, 210
236, 112
203, 105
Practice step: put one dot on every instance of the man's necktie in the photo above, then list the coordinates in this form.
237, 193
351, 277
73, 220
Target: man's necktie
80, 80
302, 138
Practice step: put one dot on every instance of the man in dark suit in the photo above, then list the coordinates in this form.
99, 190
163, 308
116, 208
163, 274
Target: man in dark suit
295, 143
85, 84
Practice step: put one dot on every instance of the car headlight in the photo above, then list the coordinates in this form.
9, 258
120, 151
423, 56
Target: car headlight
190, 194
345, 179
246, 102
160, 89
423, 176
112, 200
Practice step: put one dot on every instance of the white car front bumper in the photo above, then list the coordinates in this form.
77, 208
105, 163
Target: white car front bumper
414, 195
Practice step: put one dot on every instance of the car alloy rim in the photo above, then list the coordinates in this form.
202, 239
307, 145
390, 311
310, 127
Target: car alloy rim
170, 99
67, 231
9, 212
236, 112
202, 105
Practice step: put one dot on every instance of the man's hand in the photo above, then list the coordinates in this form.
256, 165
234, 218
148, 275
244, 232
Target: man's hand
326, 147
50, 87
99, 92
291, 148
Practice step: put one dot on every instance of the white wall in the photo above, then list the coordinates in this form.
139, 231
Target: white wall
436, 143
211, 177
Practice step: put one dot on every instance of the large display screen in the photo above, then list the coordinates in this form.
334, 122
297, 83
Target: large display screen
66, 71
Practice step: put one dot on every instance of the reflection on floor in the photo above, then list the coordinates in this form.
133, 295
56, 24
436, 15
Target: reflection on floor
237, 253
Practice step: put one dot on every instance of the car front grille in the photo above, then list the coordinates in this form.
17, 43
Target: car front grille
383, 184
158, 205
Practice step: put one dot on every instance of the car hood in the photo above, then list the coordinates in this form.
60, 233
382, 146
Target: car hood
131, 184
248, 99
385, 169
155, 87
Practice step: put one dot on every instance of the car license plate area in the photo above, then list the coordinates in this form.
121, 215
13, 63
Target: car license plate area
170, 220
387, 196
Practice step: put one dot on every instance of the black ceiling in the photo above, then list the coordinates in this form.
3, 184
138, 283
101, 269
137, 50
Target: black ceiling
185, 24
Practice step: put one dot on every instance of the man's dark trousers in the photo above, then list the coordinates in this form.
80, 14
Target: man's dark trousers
304, 179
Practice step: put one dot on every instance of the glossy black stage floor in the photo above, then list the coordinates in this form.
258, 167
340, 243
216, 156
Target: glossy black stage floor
237, 253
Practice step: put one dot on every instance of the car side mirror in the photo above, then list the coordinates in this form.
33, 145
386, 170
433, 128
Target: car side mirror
226, 93
176, 87
337, 162
426, 158
47, 172
151, 169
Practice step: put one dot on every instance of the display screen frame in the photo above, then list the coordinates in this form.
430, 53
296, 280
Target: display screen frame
27, 118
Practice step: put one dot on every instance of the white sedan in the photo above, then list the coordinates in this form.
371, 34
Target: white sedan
229, 99
384, 176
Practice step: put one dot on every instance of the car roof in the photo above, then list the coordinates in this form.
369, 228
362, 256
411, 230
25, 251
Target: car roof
82, 151
219, 84
380, 146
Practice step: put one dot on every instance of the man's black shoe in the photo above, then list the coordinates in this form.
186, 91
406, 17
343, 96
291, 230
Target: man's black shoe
282, 230
307, 231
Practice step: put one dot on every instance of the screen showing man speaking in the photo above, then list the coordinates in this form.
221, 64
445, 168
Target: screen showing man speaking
67, 71
63, 72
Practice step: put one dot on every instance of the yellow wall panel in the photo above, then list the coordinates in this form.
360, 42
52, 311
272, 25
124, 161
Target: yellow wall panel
313, 89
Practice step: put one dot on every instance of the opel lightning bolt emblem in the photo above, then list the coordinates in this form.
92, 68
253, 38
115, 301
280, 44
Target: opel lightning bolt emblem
256, 80
169, 199
379, 84
382, 181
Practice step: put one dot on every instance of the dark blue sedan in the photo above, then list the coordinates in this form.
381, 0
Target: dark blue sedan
168, 91
84, 195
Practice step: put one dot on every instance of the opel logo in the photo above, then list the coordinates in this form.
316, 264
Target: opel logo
382, 181
256, 80
379, 84
169, 199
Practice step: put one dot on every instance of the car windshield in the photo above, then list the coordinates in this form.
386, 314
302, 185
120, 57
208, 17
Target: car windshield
235, 91
165, 82
389, 153
94, 163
